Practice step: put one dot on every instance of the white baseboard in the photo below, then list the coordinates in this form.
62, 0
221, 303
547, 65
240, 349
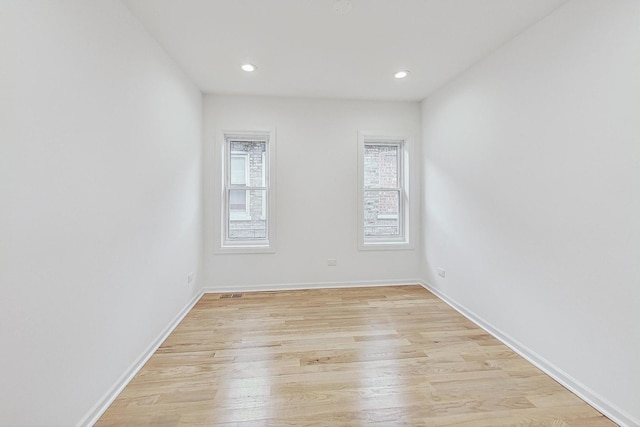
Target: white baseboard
601, 404
309, 285
103, 404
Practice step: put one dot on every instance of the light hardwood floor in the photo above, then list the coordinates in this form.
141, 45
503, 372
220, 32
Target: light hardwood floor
356, 356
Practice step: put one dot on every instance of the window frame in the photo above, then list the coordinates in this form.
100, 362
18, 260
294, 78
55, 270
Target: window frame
223, 243
402, 241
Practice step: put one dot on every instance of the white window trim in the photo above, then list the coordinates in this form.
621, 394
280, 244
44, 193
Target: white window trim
222, 244
396, 243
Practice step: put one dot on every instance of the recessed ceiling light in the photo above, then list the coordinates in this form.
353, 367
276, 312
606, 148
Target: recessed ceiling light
248, 67
401, 74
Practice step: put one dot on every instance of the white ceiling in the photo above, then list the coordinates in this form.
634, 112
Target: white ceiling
305, 48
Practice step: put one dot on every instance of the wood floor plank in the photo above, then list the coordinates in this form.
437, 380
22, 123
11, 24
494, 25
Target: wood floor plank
383, 356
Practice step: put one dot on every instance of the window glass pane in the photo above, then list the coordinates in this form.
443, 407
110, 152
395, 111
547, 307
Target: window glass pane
238, 169
237, 200
250, 224
252, 154
381, 214
381, 166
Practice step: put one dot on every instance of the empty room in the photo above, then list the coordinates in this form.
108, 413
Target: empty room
319, 212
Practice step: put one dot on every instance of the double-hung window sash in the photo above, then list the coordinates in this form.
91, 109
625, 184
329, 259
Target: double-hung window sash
246, 192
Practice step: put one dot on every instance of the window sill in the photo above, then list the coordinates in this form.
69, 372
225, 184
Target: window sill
385, 246
245, 249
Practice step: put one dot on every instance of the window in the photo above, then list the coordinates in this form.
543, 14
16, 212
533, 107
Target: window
383, 197
247, 212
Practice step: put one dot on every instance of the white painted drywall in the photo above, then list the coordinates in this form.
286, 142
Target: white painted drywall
100, 218
316, 191
532, 194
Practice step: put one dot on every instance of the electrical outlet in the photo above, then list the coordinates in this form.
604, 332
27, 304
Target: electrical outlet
441, 272
190, 278
332, 262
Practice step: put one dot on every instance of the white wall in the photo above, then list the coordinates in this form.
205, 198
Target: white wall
532, 196
316, 192
100, 219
